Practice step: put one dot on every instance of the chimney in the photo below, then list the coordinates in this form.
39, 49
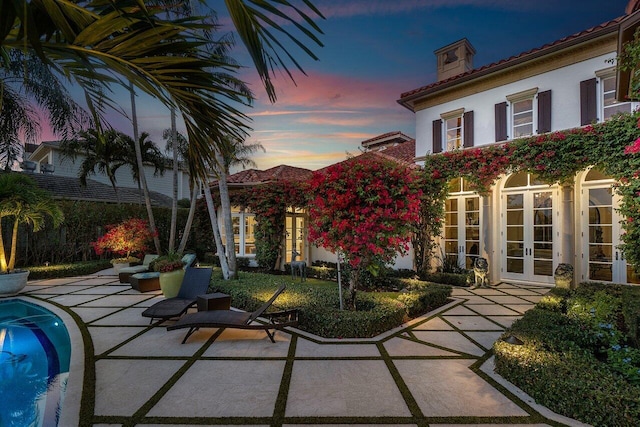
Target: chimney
455, 58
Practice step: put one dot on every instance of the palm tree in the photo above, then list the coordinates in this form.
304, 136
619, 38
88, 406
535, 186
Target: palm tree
19, 91
103, 153
232, 152
25, 203
100, 43
150, 153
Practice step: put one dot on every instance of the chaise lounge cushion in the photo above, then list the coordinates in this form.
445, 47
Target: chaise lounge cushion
126, 272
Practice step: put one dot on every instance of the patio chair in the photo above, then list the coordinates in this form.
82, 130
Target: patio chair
126, 272
223, 319
195, 282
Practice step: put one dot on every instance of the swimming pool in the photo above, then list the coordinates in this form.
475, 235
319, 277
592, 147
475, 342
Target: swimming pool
35, 352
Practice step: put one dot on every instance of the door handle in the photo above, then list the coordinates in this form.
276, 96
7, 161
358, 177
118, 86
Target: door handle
616, 255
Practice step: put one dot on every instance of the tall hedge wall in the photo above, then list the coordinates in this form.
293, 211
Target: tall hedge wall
84, 223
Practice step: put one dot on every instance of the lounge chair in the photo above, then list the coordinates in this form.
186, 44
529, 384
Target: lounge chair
195, 282
223, 319
126, 272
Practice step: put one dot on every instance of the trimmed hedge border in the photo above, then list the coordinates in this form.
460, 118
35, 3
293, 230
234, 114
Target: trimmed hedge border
80, 268
319, 304
567, 339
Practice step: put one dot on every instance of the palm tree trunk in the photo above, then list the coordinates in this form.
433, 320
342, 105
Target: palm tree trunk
14, 244
225, 204
174, 202
187, 226
3, 255
216, 232
141, 176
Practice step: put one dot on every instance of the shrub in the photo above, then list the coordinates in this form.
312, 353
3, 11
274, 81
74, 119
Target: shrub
129, 237
67, 270
319, 304
453, 279
575, 344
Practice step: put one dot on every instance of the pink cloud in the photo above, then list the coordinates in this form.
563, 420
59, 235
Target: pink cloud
331, 91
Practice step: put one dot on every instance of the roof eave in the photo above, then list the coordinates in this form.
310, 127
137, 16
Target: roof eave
410, 100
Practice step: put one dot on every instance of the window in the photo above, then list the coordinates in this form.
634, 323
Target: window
243, 224
522, 118
522, 115
453, 132
609, 104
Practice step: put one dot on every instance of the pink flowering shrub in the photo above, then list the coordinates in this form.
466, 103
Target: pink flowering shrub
365, 208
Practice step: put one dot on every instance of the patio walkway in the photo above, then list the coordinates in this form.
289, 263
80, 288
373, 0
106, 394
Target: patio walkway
435, 372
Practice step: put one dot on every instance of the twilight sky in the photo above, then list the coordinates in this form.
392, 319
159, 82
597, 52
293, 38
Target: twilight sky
373, 51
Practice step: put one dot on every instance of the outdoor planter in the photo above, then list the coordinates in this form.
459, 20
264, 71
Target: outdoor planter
170, 282
117, 266
12, 283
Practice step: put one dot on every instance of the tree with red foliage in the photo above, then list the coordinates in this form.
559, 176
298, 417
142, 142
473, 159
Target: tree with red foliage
365, 208
129, 237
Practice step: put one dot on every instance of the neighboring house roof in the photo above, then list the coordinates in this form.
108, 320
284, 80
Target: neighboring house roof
407, 98
276, 173
33, 150
385, 139
403, 152
68, 188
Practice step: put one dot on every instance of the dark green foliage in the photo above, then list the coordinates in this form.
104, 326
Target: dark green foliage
68, 270
319, 304
454, 279
579, 343
84, 222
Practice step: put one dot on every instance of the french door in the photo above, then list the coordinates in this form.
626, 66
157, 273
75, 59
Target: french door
529, 235
295, 223
462, 230
603, 261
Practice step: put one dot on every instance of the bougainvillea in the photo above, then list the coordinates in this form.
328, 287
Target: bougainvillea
131, 237
365, 208
612, 147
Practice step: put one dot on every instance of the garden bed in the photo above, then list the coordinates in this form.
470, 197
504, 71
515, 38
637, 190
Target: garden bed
579, 355
319, 304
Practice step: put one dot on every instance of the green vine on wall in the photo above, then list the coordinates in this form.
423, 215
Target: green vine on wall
269, 203
613, 147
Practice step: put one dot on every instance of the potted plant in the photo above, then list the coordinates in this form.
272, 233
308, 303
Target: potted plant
171, 269
21, 202
132, 236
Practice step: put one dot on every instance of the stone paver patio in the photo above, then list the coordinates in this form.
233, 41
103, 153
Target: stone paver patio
436, 371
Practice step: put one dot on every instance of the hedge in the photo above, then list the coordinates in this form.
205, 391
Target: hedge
67, 270
579, 355
318, 304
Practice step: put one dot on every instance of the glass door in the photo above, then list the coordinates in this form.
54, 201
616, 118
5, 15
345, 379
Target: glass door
295, 236
462, 230
528, 236
604, 261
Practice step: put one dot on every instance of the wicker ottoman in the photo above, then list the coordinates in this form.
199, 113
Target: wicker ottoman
145, 282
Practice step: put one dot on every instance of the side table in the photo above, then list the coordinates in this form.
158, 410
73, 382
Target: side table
214, 301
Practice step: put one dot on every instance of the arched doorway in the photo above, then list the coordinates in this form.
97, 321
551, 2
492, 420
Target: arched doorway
529, 230
462, 225
601, 231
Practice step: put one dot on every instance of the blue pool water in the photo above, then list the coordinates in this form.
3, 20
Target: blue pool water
35, 351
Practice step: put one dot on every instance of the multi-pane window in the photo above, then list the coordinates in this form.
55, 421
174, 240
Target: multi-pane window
609, 104
522, 118
244, 240
453, 133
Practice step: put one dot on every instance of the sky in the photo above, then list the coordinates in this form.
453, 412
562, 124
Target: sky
373, 51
